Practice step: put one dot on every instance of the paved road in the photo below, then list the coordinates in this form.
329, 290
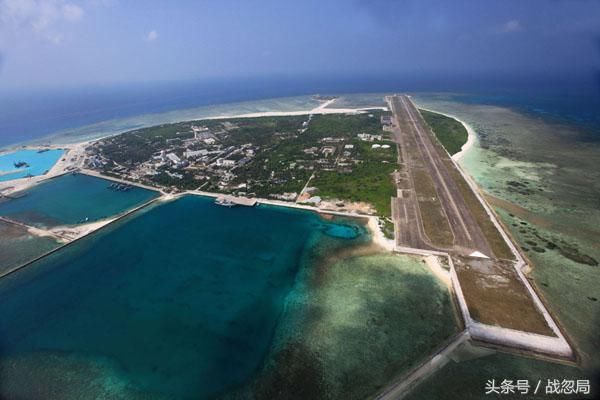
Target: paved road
468, 236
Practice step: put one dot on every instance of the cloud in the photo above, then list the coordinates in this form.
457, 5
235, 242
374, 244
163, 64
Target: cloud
72, 12
152, 36
44, 18
510, 26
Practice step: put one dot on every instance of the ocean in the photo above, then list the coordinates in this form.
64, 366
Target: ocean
71, 114
161, 304
536, 157
184, 300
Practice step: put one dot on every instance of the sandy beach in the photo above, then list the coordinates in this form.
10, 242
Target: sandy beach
472, 135
321, 109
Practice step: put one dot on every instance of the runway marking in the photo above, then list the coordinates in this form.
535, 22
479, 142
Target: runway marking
441, 179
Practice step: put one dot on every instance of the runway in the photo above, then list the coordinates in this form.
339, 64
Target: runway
420, 152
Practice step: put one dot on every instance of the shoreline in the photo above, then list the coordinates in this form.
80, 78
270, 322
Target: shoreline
54, 138
471, 134
317, 111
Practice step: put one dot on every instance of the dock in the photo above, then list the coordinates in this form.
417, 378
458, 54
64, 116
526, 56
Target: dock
236, 201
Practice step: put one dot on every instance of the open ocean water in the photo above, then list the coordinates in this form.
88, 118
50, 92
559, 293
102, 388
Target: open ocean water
70, 114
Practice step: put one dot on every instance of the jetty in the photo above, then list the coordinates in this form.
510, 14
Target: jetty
231, 201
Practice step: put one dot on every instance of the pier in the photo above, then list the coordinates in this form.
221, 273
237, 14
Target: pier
236, 201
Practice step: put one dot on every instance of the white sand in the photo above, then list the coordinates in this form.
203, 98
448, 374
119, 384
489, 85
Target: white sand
74, 232
378, 236
471, 138
435, 267
321, 109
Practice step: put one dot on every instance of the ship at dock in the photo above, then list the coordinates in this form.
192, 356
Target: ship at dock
222, 201
119, 187
232, 201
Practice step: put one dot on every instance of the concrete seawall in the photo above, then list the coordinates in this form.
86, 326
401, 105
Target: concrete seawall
98, 229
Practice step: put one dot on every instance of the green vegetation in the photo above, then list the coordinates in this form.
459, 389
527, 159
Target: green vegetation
342, 125
292, 165
451, 133
493, 236
370, 180
266, 157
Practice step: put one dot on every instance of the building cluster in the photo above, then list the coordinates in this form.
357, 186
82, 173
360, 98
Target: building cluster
213, 157
366, 137
199, 155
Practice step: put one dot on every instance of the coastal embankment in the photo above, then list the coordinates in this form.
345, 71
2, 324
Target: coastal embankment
72, 234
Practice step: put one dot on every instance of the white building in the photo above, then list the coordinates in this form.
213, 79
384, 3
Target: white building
173, 158
223, 162
195, 153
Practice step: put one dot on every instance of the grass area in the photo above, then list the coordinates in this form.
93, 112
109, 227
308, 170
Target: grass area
370, 180
434, 220
451, 133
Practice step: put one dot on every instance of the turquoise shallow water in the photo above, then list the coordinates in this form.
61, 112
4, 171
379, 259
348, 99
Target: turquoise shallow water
39, 163
181, 301
72, 199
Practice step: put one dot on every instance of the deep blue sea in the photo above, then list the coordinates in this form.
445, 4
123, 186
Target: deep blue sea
181, 301
30, 114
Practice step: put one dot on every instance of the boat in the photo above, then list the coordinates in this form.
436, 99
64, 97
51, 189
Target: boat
20, 164
222, 201
119, 187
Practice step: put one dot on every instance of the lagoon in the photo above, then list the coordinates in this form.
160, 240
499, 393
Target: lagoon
180, 301
71, 199
39, 163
